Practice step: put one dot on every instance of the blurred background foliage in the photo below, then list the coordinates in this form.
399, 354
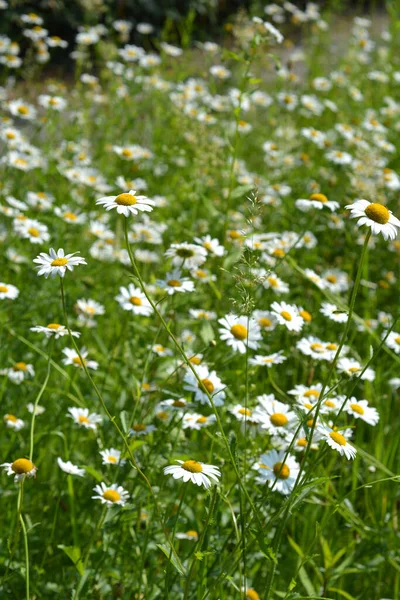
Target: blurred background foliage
176, 20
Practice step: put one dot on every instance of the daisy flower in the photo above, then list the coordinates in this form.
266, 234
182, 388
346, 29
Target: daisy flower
241, 412
53, 330
266, 319
196, 472
141, 429
288, 315
12, 422
83, 418
314, 347
69, 468
20, 468
56, 263
133, 299
316, 201
161, 350
72, 358
187, 255
8, 291
337, 441
212, 245
112, 457
273, 471
239, 332
393, 341
274, 283
87, 310
360, 410
127, 203
175, 283
18, 372
210, 381
333, 313
189, 535
197, 421
376, 216
352, 367
111, 494
276, 358
38, 410
274, 416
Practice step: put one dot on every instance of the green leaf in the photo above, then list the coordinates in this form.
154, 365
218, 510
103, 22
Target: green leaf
94, 473
172, 558
241, 191
342, 593
124, 416
74, 553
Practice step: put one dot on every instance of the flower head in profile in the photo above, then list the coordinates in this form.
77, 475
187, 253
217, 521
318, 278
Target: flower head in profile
73, 358
69, 468
196, 472
127, 203
20, 468
57, 263
376, 216
111, 494
53, 330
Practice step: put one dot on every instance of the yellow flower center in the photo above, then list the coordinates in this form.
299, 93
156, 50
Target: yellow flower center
53, 326
302, 442
397, 339
264, 322
192, 533
331, 347
338, 438
330, 404
208, 385
278, 419
34, 232
126, 152
139, 427
83, 419
135, 300
282, 471
20, 366
244, 411
23, 110
252, 595
11, 418
332, 278
112, 495
125, 200
310, 393
70, 216
319, 198
378, 213
357, 409
306, 315
202, 420
273, 282
22, 465
279, 253
354, 369
308, 405
195, 360
59, 262
10, 135
112, 459
239, 332
162, 415
192, 466
179, 403
286, 315
174, 283
3, 289
77, 361
317, 347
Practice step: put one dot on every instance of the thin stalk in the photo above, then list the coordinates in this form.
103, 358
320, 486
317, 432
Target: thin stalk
115, 424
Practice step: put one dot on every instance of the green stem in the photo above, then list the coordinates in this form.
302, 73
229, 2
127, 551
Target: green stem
193, 370
292, 496
115, 424
35, 405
